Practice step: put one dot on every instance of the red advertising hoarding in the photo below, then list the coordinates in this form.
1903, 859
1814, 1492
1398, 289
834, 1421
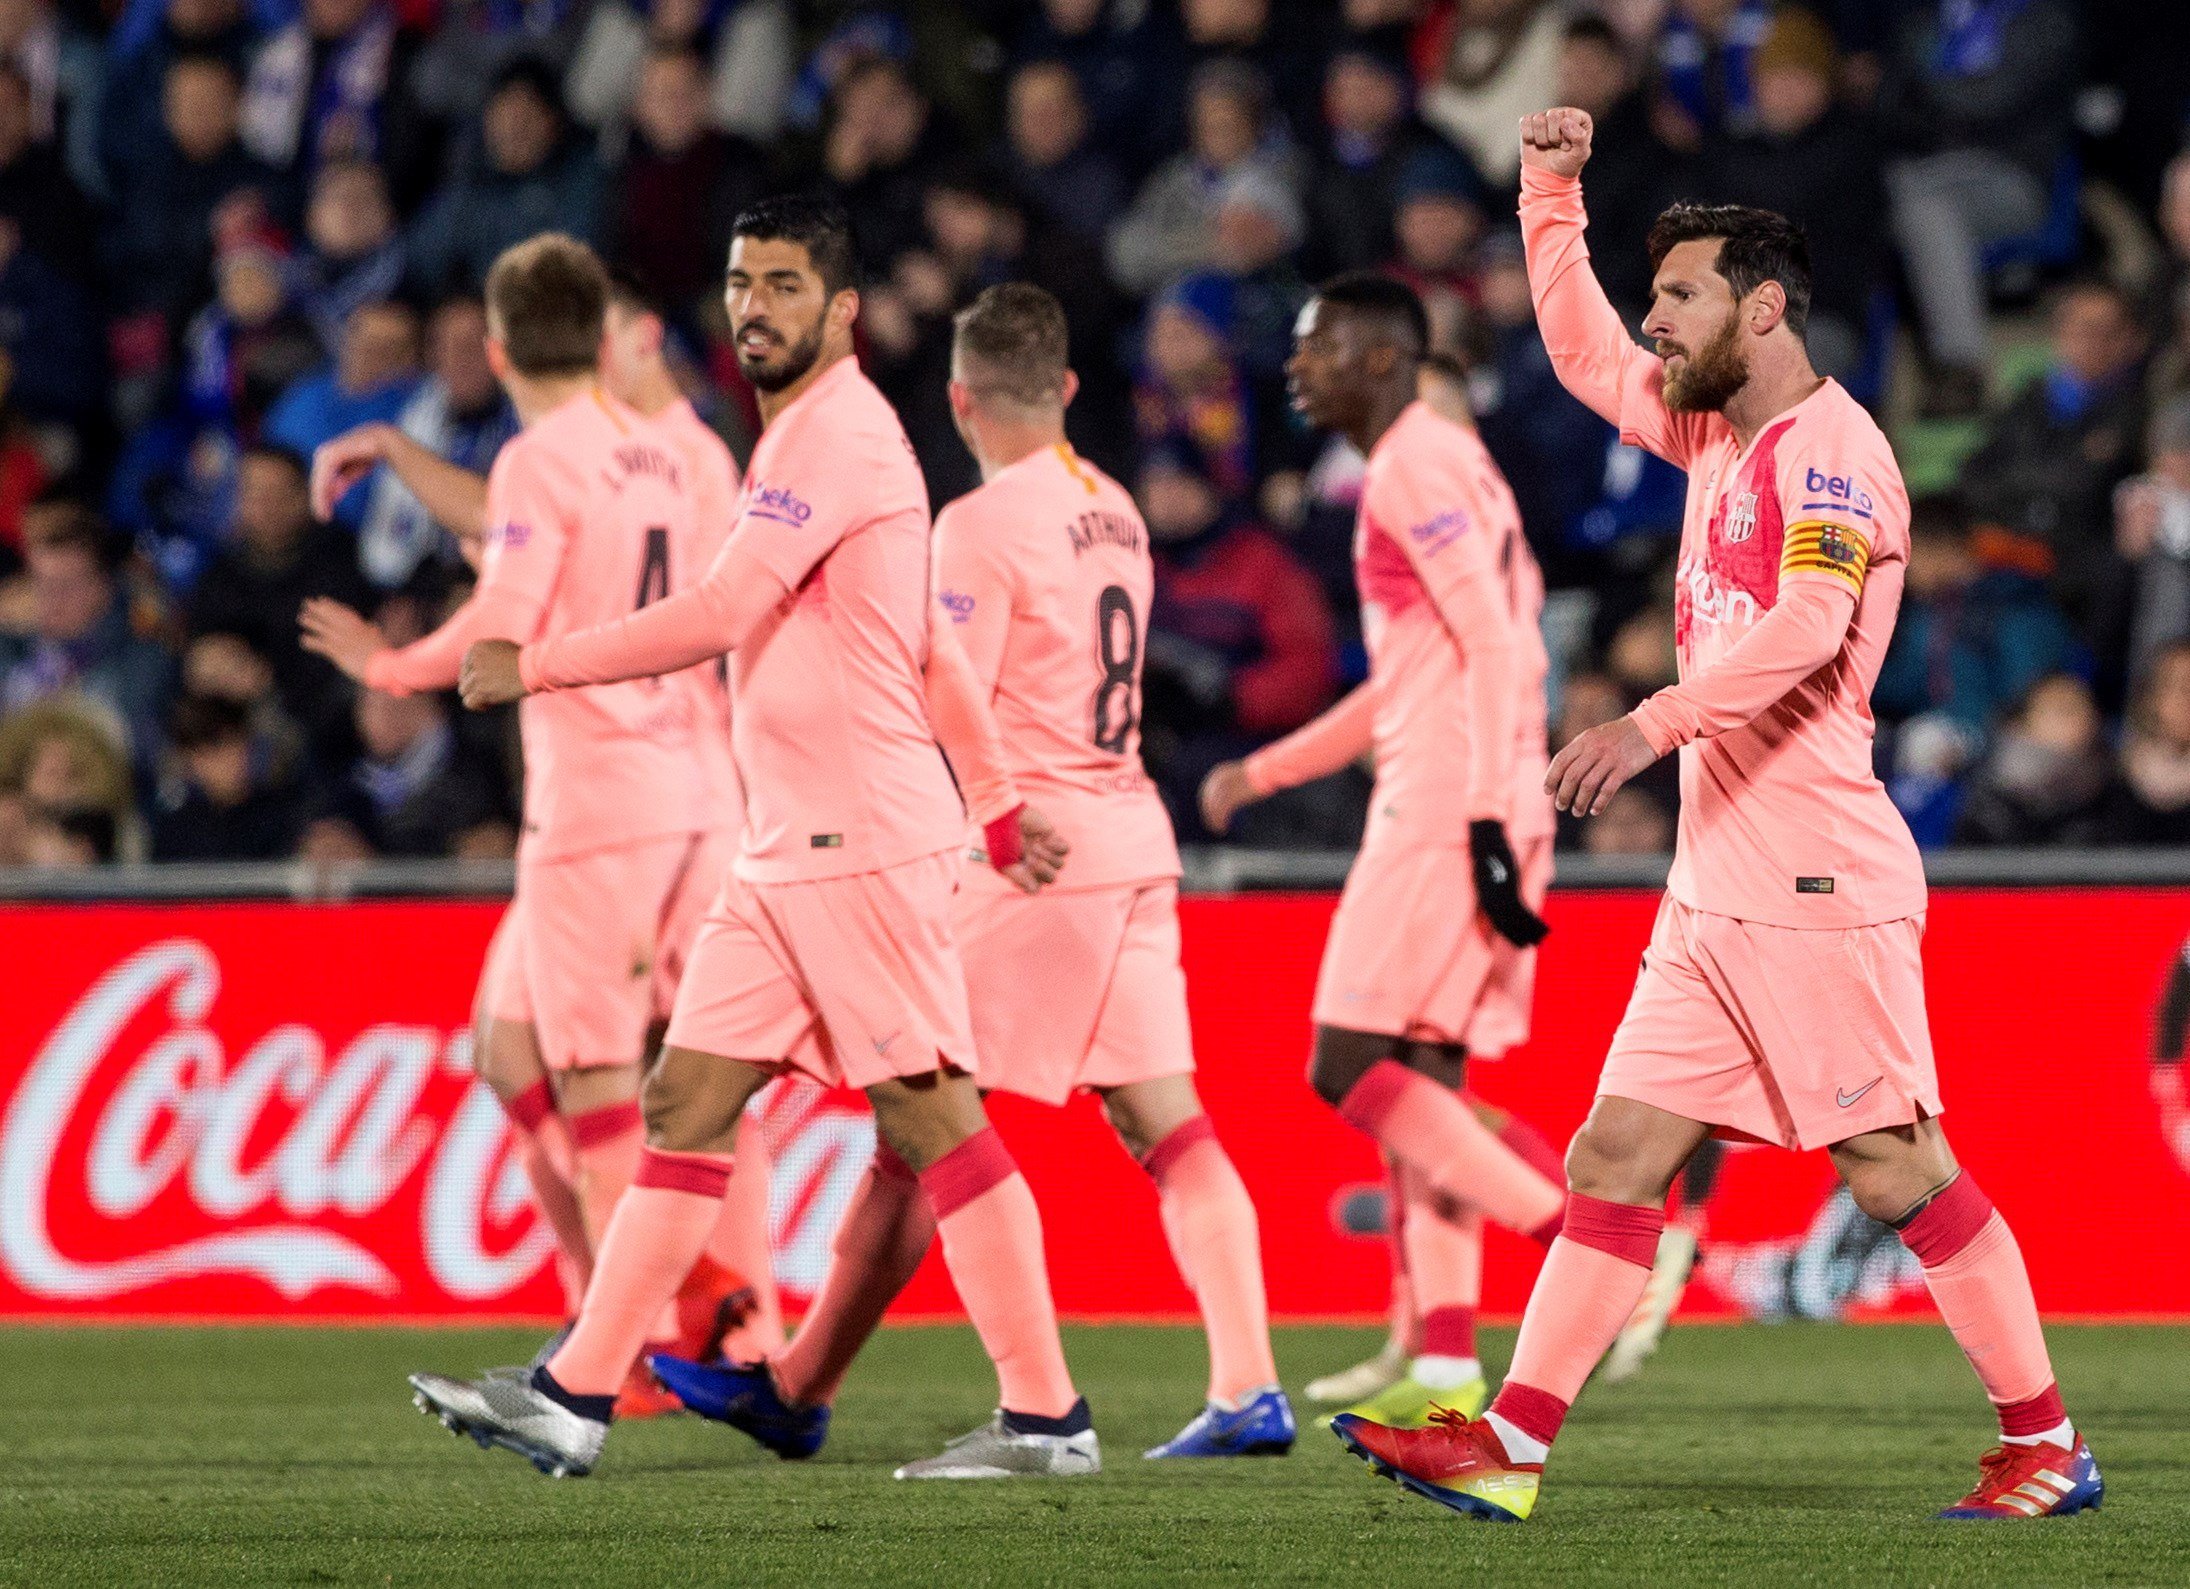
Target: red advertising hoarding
266, 1110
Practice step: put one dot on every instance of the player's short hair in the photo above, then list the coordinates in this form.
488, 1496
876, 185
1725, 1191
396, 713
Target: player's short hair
1015, 334
817, 224
548, 297
632, 293
1755, 246
1383, 298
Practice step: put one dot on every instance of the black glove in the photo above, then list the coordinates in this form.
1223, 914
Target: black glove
1498, 886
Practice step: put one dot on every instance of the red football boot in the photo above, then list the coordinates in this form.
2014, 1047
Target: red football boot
1452, 1461
714, 1300
2031, 1481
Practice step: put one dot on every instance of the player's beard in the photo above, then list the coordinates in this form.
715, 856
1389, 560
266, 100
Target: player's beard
1713, 374
773, 375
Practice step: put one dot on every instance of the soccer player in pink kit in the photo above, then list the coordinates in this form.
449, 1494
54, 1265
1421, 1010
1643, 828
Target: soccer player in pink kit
1782, 996
1431, 954
731, 1289
834, 922
1044, 572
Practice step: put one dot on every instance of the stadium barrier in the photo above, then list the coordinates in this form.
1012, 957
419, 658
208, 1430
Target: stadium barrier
245, 1093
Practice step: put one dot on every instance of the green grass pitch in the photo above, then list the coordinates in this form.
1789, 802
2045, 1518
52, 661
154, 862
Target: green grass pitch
1790, 1456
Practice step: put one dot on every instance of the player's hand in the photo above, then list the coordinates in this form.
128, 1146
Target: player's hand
337, 633
489, 676
340, 464
1026, 847
1498, 886
1223, 793
1595, 763
1557, 141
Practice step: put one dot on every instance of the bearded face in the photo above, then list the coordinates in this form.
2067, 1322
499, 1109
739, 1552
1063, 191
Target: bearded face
1704, 380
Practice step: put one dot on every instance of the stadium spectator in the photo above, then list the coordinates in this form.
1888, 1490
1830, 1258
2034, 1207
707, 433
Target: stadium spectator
227, 796
1127, 58
1632, 823
1816, 162
49, 339
22, 472
160, 244
146, 42
80, 639
330, 86
1239, 646
57, 759
1438, 222
2154, 803
416, 789
679, 186
2051, 459
50, 213
535, 174
457, 413
1369, 132
2167, 303
1977, 100
1167, 231
69, 839
473, 46
2049, 779
1054, 162
371, 381
747, 51
1258, 226
1978, 626
1191, 386
1286, 43
883, 145
1498, 60
2152, 535
275, 558
1707, 70
353, 253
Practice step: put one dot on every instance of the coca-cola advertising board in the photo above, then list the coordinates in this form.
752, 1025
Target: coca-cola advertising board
256, 1111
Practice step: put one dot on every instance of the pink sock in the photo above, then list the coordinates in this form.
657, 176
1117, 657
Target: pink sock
659, 1228
1217, 1244
1590, 1283
992, 1240
884, 1235
1976, 1275
608, 1140
740, 1243
544, 1148
1429, 1128
1444, 1243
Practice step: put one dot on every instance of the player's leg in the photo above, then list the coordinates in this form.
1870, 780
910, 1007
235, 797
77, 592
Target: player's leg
1906, 1177
1676, 1261
1368, 1078
992, 1241
1403, 1331
1217, 1243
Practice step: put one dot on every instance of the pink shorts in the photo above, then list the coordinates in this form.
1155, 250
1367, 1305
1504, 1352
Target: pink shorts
853, 980
1792, 1035
591, 949
1075, 989
1410, 956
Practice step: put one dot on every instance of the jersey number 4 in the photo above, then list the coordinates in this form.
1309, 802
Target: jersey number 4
1117, 710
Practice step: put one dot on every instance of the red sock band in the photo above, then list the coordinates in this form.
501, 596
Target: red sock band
1448, 1332
1948, 1223
2034, 1417
1536, 1413
1187, 1135
1621, 1229
530, 1107
701, 1174
968, 1170
1374, 1096
604, 1124
890, 1166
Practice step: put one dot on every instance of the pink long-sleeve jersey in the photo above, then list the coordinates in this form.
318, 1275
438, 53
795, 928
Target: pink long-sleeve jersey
1793, 549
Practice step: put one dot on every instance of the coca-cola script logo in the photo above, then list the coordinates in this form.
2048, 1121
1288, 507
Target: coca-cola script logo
136, 1150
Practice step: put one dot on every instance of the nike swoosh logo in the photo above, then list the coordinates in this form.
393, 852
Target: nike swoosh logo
1844, 1099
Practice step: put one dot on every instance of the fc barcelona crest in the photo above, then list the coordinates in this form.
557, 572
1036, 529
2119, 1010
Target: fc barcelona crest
1742, 522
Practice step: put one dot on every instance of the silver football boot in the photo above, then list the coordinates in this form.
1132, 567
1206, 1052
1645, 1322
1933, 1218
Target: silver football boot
996, 1452
504, 1410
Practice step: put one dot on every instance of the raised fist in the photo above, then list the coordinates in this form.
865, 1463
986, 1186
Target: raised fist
1556, 141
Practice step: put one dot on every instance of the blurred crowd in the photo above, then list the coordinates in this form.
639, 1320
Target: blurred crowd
233, 229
